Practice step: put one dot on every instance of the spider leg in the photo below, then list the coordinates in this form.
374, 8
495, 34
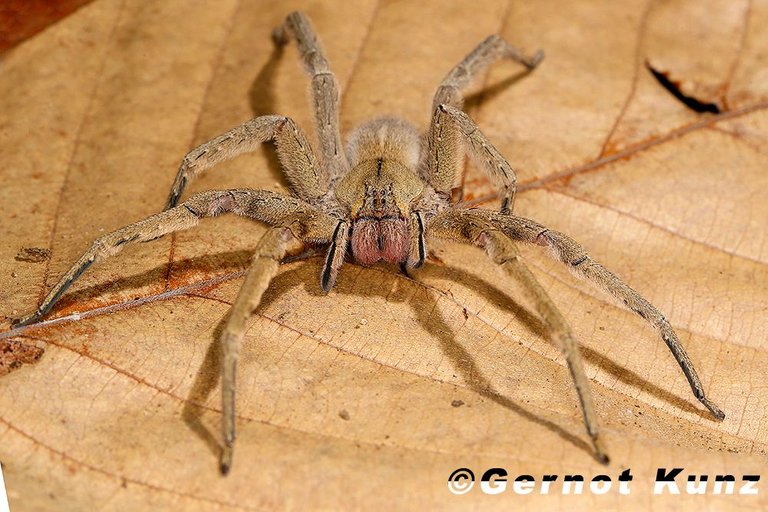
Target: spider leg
264, 266
572, 254
445, 149
482, 151
334, 258
305, 176
491, 49
418, 251
305, 221
463, 226
325, 90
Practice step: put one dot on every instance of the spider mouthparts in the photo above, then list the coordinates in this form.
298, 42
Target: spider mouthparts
384, 238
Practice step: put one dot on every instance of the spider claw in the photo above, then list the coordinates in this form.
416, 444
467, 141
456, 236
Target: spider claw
535, 60
24, 320
714, 409
505, 206
600, 454
172, 201
225, 463
325, 284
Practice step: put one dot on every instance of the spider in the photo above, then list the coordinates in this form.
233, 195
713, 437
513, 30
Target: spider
379, 201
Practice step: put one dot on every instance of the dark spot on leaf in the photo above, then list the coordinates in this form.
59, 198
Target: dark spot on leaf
674, 88
15, 353
33, 255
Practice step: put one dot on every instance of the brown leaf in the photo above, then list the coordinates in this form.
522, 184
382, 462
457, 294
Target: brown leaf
14, 353
22, 19
349, 400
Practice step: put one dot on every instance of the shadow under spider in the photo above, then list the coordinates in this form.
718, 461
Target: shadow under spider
261, 92
223, 261
205, 382
496, 296
262, 101
428, 316
491, 91
208, 376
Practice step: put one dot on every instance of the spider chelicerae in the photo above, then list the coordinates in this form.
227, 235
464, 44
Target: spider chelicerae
378, 201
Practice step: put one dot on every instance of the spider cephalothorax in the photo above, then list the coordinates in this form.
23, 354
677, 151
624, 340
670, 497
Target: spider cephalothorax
379, 190
380, 201
380, 229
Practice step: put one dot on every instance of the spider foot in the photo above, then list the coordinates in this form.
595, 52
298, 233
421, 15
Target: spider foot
534, 60
225, 462
600, 454
25, 320
715, 410
172, 201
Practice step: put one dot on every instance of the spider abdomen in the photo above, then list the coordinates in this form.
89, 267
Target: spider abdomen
380, 238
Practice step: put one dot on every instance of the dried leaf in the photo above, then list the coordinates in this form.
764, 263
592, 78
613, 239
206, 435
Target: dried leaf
371, 396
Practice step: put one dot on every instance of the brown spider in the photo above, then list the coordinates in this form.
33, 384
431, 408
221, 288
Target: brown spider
379, 201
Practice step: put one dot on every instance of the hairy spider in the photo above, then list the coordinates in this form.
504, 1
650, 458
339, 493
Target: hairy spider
379, 201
